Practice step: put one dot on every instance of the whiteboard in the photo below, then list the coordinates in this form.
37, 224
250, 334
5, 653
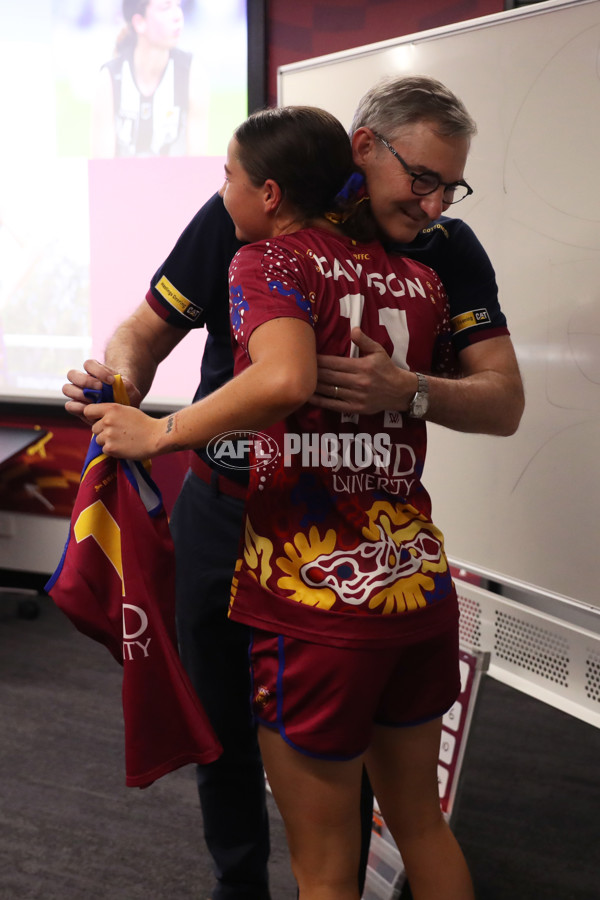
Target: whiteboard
523, 510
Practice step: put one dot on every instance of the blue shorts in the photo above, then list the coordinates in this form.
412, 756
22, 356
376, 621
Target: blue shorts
324, 701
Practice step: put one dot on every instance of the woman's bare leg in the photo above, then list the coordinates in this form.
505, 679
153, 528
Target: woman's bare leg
319, 803
402, 766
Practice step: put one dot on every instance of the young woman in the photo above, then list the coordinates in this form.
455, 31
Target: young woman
149, 100
342, 573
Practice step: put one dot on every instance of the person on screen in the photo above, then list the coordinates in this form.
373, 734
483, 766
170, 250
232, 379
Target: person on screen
423, 121
341, 574
150, 100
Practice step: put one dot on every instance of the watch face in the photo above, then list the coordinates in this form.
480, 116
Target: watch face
419, 406
420, 402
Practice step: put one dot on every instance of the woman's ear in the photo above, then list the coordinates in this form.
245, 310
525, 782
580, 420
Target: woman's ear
363, 144
138, 23
272, 196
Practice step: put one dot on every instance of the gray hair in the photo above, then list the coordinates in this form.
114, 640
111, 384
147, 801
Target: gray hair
398, 101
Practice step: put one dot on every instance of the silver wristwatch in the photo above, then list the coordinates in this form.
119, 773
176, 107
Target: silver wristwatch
420, 402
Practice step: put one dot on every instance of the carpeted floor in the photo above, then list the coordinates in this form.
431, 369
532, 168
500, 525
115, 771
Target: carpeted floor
69, 828
528, 817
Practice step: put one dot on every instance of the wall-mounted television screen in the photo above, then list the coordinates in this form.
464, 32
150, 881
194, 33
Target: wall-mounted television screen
115, 120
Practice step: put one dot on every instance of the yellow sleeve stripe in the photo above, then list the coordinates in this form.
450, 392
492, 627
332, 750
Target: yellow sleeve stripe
470, 319
176, 299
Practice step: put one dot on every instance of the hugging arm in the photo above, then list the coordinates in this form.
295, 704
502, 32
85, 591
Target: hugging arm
281, 378
487, 398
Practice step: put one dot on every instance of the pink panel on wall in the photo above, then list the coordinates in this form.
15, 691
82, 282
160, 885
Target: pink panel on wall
147, 202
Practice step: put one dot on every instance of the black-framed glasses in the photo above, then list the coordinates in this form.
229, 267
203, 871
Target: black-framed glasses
427, 182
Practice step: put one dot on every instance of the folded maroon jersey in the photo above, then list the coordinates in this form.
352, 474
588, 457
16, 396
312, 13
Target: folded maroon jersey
116, 583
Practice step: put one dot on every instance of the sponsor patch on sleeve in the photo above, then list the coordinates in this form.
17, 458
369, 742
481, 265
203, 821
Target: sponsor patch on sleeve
176, 299
470, 320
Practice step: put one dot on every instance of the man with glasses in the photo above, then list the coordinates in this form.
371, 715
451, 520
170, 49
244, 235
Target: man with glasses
425, 183
410, 138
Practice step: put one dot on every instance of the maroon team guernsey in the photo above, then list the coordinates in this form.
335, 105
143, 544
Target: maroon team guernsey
339, 546
116, 582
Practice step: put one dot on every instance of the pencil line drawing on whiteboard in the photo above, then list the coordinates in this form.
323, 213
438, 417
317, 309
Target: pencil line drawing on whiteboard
553, 203
554, 196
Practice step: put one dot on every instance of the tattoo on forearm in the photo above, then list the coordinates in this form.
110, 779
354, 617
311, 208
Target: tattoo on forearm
171, 428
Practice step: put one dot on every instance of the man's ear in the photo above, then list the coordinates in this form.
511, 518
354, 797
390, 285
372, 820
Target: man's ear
272, 196
363, 144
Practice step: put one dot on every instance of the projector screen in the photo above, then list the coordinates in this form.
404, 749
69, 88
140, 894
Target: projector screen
101, 169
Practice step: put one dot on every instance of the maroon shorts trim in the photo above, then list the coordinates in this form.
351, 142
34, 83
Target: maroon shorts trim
324, 701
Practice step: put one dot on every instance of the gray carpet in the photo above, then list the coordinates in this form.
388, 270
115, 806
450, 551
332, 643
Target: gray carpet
528, 816
69, 828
